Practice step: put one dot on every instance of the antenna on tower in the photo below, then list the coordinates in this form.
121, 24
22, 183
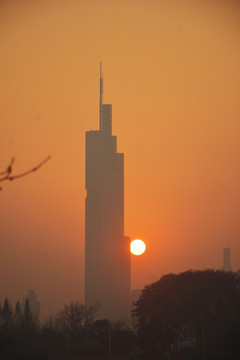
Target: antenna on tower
100, 102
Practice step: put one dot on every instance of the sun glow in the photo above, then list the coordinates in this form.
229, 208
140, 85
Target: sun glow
137, 247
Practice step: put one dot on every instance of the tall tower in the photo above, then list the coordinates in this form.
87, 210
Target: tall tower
227, 259
107, 255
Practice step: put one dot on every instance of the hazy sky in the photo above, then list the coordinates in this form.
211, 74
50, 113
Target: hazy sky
171, 71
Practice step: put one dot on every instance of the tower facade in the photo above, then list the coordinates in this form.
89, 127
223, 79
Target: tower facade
107, 255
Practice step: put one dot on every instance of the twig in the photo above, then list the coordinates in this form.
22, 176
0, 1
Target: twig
8, 169
6, 174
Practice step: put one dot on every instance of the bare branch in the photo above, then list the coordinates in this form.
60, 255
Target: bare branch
8, 169
6, 174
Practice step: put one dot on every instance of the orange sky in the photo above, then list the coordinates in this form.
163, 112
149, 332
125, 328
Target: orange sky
171, 70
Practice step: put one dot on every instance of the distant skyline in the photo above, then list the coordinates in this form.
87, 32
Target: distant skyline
171, 69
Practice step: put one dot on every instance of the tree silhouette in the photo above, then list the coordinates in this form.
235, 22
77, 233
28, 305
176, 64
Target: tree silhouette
18, 317
74, 323
75, 316
6, 313
195, 309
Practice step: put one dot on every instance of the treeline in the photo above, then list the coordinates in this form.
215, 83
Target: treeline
190, 316
72, 334
18, 329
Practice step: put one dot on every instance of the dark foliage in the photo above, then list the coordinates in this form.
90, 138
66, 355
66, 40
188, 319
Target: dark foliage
72, 334
195, 314
18, 333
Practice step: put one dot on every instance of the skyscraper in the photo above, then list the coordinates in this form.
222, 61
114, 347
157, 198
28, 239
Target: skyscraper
107, 255
227, 259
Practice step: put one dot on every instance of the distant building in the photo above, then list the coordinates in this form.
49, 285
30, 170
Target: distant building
227, 259
107, 252
33, 302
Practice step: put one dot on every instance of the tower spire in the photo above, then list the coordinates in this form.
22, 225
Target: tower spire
101, 93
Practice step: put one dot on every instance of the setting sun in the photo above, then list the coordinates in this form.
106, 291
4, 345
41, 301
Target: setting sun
137, 247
